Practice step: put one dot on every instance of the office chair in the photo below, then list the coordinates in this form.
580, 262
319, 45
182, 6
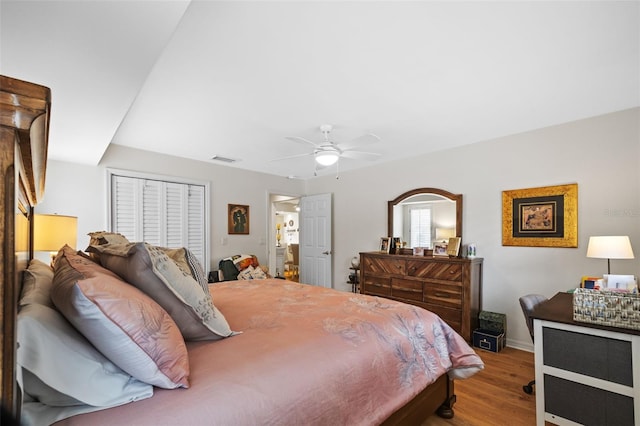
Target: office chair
528, 304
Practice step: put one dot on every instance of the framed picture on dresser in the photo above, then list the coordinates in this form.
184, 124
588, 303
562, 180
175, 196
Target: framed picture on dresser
385, 243
453, 247
440, 249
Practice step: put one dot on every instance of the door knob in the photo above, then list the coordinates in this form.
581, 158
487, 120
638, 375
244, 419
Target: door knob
326, 252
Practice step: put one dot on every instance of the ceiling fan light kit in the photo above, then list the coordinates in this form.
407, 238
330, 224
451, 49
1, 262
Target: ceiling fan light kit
327, 152
327, 158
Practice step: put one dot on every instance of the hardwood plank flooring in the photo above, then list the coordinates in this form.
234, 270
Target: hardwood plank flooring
494, 396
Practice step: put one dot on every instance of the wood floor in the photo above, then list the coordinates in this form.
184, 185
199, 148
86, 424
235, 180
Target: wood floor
494, 396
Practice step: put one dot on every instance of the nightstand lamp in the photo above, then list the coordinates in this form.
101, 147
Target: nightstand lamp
51, 232
610, 247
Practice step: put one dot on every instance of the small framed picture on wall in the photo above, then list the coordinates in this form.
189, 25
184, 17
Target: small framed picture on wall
238, 219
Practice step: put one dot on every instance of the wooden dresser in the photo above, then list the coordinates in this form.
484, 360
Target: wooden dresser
449, 287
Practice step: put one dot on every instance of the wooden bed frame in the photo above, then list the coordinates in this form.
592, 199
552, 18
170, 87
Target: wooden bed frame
24, 119
24, 129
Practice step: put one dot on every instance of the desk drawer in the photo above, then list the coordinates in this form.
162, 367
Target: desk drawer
443, 295
407, 289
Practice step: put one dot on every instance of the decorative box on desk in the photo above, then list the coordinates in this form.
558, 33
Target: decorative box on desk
605, 307
488, 340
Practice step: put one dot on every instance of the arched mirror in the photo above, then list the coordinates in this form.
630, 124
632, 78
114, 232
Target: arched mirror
423, 216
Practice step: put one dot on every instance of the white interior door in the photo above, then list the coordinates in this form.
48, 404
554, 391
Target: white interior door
315, 240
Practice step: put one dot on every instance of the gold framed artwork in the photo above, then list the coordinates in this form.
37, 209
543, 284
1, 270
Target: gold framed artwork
238, 219
540, 217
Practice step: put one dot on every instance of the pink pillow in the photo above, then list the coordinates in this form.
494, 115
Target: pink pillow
123, 323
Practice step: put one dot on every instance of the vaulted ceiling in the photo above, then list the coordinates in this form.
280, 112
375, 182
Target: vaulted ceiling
198, 79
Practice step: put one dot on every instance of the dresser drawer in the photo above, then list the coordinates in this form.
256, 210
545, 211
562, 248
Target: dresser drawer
407, 289
435, 270
443, 295
453, 317
384, 265
377, 286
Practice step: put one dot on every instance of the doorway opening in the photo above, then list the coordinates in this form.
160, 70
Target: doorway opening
285, 242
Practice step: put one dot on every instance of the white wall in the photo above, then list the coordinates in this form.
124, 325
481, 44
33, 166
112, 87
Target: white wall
601, 155
80, 190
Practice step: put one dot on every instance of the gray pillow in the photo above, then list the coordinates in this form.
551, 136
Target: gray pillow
36, 284
150, 269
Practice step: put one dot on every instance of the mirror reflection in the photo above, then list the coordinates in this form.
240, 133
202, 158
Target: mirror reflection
422, 217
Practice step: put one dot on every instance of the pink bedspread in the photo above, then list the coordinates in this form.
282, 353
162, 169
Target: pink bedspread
306, 355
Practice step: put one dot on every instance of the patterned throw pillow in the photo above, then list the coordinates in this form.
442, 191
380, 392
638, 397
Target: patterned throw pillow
189, 265
149, 268
245, 274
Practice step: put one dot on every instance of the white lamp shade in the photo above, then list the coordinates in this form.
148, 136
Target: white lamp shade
51, 232
610, 247
327, 158
445, 233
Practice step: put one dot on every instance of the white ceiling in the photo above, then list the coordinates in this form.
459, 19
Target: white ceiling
235, 78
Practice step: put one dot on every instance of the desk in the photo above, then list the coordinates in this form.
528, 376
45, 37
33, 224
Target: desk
585, 373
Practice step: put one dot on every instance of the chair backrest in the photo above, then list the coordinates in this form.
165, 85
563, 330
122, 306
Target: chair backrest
295, 251
528, 303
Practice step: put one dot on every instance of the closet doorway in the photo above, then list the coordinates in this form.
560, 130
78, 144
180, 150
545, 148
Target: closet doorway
285, 237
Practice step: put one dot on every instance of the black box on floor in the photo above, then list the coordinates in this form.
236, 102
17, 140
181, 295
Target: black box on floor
488, 340
493, 321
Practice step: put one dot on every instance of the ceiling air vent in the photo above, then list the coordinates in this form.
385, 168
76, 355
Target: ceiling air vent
223, 159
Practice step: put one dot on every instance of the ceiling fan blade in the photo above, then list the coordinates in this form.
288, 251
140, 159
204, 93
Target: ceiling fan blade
363, 140
302, 140
361, 155
306, 154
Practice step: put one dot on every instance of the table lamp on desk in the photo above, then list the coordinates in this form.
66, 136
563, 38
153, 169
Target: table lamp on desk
610, 247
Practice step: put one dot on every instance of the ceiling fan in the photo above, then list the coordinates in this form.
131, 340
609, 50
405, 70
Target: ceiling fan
328, 152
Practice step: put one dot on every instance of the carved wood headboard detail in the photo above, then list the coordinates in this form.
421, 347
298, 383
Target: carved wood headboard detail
24, 129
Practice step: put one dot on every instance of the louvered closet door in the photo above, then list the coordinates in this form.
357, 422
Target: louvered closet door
167, 214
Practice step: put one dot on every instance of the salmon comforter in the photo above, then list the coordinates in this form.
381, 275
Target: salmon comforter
305, 355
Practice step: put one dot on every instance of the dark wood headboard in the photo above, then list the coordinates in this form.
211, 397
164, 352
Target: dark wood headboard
24, 129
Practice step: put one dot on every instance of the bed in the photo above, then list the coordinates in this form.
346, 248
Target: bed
272, 351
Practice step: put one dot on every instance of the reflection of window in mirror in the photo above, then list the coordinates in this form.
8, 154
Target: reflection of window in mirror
420, 230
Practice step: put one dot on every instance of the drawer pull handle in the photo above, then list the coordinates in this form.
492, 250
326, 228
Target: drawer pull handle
440, 294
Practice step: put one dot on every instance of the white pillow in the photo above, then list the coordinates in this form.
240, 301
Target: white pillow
59, 357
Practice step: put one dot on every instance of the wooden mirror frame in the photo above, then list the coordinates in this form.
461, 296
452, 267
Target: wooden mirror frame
446, 194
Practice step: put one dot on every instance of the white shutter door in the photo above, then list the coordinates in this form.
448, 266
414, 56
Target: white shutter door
176, 205
152, 213
162, 213
124, 207
196, 223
